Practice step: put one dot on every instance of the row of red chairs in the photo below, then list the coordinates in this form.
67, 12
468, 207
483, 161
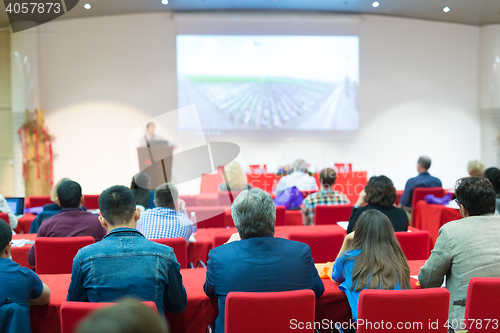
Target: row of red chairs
420, 310
91, 201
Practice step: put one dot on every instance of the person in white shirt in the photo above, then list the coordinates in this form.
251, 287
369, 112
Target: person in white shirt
4, 208
151, 136
298, 178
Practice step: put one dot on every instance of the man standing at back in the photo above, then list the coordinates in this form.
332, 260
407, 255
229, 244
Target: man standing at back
258, 262
166, 220
424, 179
125, 263
71, 221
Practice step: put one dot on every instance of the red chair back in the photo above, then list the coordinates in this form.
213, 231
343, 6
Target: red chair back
415, 244
209, 217
224, 198
325, 245
38, 201
54, 255
331, 214
91, 201
482, 305
393, 307
190, 200
5, 217
179, 245
419, 194
306, 193
72, 313
210, 182
221, 237
268, 312
280, 216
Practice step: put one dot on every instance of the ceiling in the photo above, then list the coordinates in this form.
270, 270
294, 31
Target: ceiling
473, 12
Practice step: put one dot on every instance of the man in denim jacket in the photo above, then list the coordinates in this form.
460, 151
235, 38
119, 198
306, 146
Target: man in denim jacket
125, 263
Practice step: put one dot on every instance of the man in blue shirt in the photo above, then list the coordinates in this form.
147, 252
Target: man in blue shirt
254, 260
20, 288
168, 219
424, 179
125, 263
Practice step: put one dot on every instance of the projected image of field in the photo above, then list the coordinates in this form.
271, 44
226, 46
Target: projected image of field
269, 82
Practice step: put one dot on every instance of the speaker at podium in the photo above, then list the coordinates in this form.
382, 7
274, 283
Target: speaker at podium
156, 162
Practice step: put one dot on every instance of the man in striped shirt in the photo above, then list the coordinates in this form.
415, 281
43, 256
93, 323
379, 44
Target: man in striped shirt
168, 219
326, 196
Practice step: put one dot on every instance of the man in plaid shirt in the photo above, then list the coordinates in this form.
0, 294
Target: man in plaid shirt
326, 196
166, 220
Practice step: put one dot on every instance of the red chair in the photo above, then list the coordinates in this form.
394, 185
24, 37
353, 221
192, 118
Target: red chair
224, 198
91, 201
269, 312
72, 313
325, 245
5, 217
54, 255
38, 201
415, 309
209, 217
419, 194
331, 214
482, 305
221, 237
190, 200
210, 182
179, 245
280, 216
415, 244
306, 193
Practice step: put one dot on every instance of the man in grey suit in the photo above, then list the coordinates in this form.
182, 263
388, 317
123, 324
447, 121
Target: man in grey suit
465, 248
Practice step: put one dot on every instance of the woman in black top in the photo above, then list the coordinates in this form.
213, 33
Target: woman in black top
380, 194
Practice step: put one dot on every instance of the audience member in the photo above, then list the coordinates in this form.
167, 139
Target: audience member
424, 179
20, 288
4, 208
53, 197
236, 178
475, 168
140, 187
326, 196
493, 175
72, 220
379, 194
465, 248
166, 220
370, 258
258, 262
125, 263
128, 316
298, 178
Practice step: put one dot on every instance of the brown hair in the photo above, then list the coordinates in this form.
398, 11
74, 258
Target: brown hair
327, 177
381, 264
380, 191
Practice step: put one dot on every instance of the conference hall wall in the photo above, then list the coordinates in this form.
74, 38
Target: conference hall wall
102, 77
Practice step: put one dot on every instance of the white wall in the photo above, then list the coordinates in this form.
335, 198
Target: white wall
102, 77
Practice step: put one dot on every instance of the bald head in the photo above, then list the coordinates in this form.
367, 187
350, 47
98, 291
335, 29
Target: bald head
424, 163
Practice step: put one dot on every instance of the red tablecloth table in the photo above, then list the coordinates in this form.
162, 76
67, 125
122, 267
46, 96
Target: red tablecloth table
201, 310
431, 217
24, 223
20, 254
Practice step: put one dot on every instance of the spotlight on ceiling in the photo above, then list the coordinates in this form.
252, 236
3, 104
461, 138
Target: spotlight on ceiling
87, 6
375, 4
446, 9
165, 2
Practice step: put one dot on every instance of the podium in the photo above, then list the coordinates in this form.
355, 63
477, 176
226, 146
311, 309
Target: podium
156, 162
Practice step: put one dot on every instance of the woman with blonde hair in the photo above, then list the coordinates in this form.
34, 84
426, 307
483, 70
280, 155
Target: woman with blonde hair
53, 196
236, 178
476, 168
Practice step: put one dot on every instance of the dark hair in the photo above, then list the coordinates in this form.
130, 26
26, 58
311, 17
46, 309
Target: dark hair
166, 196
140, 188
381, 264
149, 124
117, 205
327, 177
477, 195
425, 162
128, 316
493, 175
69, 194
380, 191
5, 235
254, 214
